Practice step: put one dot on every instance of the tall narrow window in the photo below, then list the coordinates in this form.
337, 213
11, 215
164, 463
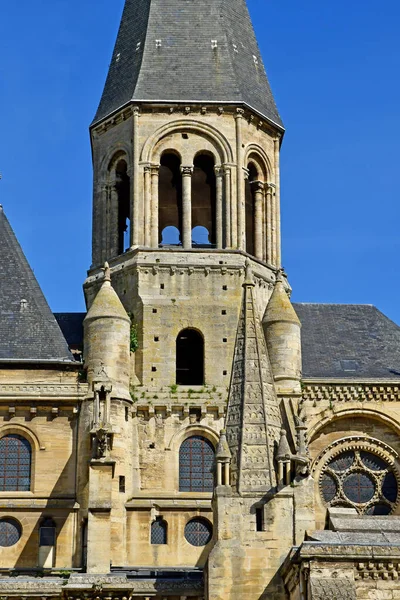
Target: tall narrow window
159, 531
123, 189
47, 533
47, 543
250, 209
170, 200
196, 462
203, 201
189, 358
15, 463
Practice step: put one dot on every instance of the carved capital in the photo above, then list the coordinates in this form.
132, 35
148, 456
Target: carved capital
154, 169
218, 170
136, 111
258, 186
239, 113
186, 171
270, 188
147, 169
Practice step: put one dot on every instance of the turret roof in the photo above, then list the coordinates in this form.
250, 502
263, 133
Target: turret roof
174, 51
28, 328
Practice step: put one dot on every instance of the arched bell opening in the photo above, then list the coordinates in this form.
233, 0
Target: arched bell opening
250, 208
122, 185
170, 200
203, 201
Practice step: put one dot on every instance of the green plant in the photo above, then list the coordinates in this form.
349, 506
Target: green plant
173, 388
134, 343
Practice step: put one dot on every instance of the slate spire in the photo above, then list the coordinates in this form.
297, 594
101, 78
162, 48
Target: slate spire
28, 328
196, 51
253, 420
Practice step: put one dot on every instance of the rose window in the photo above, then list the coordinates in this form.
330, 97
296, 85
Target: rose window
362, 480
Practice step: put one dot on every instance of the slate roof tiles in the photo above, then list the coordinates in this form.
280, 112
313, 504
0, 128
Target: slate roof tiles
28, 329
187, 51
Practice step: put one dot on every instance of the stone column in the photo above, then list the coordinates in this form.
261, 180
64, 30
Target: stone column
113, 220
258, 191
154, 206
101, 245
147, 204
269, 191
241, 242
135, 212
218, 207
228, 204
187, 206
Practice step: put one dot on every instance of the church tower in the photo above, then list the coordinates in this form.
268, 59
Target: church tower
186, 214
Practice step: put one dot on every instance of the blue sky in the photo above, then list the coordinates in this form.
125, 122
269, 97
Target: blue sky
334, 69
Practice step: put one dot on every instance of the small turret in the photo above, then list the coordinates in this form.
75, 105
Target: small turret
282, 333
106, 340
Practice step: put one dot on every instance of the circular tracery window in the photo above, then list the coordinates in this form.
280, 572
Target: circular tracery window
360, 479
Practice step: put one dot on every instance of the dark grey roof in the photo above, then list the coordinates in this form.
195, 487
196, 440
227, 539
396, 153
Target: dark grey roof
28, 329
71, 324
164, 52
348, 341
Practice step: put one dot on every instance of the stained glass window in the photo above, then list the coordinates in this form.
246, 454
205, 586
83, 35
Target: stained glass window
10, 532
159, 531
360, 479
198, 532
15, 463
358, 487
196, 462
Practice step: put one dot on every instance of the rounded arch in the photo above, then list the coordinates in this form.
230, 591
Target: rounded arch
188, 431
189, 357
343, 413
170, 150
23, 431
218, 140
257, 155
113, 155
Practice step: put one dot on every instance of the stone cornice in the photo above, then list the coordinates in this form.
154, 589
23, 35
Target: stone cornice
42, 391
351, 392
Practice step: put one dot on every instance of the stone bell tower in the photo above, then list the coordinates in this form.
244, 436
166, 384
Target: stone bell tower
186, 181
186, 212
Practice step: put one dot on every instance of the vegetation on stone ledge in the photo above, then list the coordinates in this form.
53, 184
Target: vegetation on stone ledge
134, 334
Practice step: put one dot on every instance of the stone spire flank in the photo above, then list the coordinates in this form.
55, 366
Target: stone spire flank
174, 51
253, 421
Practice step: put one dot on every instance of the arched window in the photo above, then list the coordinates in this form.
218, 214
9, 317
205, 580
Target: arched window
203, 200
15, 463
189, 358
250, 208
159, 531
170, 197
47, 532
196, 463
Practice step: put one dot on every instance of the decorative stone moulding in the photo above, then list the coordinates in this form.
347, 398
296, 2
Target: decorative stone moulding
320, 392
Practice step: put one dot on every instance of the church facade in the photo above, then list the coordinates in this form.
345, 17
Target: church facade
194, 434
